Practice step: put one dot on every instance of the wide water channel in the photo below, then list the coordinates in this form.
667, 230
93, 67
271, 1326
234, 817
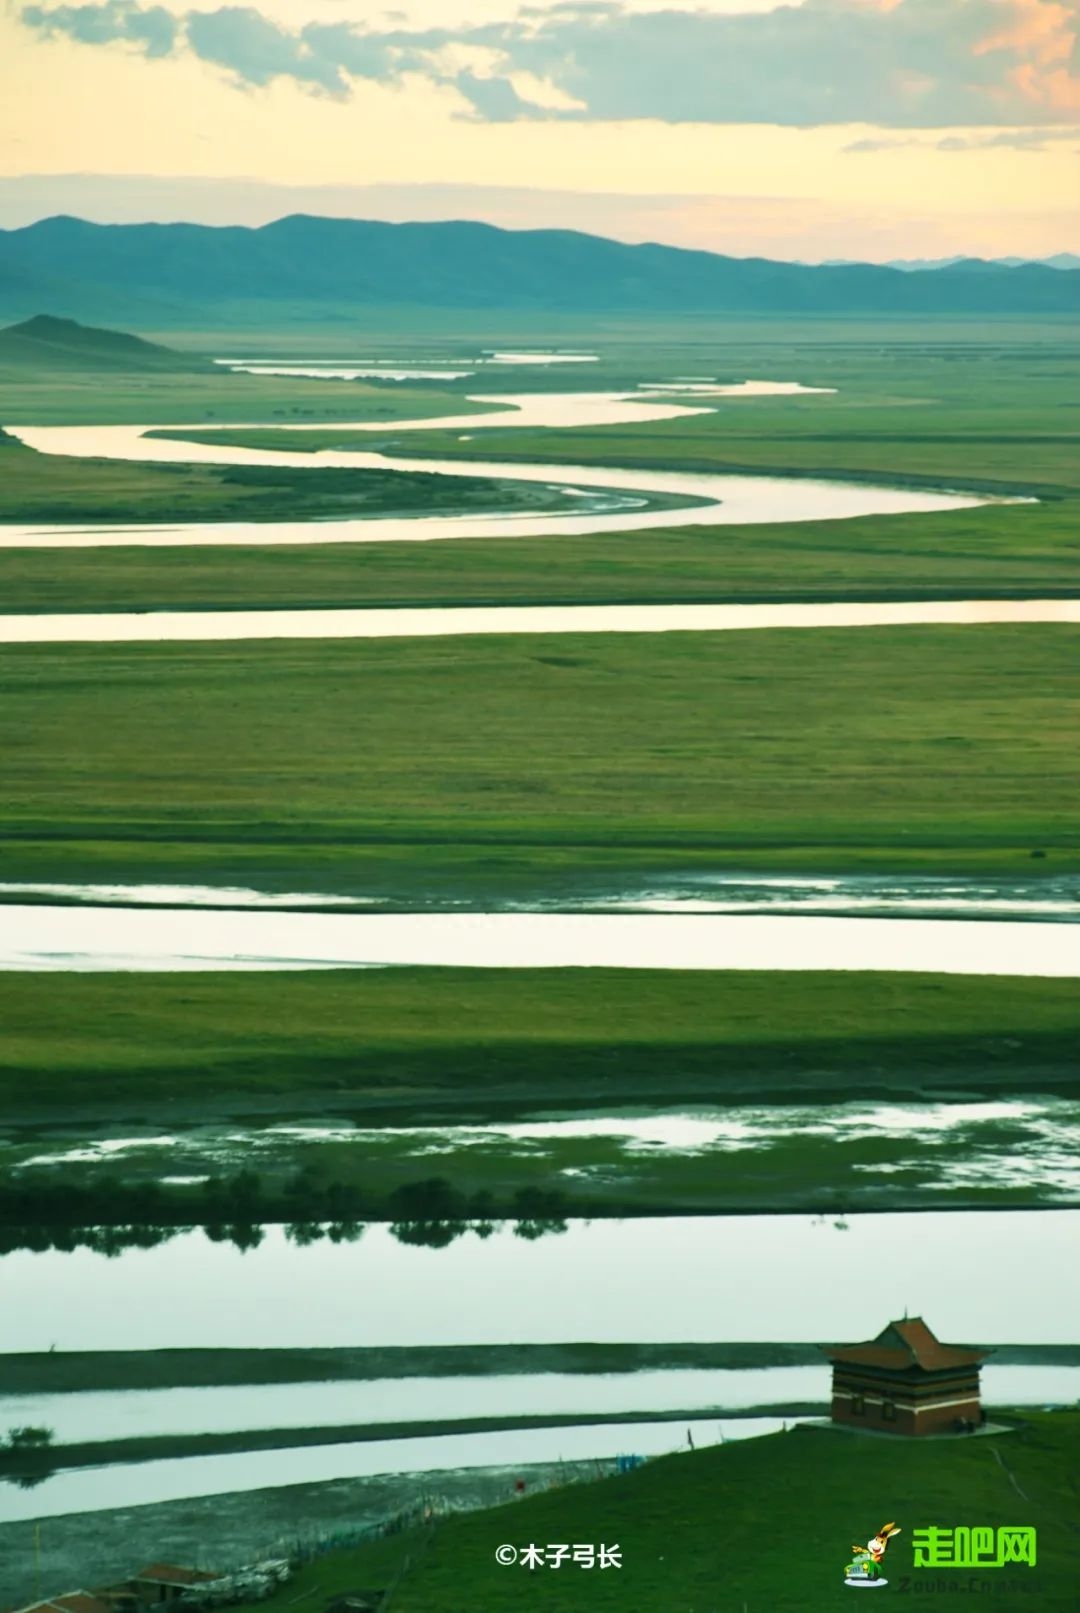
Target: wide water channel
447, 621
87, 937
130, 1414
722, 498
976, 1276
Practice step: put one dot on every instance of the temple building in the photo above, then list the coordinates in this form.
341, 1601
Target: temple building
906, 1382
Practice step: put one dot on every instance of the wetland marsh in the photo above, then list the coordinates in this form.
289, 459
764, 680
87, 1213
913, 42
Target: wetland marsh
814, 837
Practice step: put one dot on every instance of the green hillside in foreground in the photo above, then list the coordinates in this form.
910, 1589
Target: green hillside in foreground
761, 1524
48, 343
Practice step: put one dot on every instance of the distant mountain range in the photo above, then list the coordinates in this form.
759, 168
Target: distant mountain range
301, 269
1059, 260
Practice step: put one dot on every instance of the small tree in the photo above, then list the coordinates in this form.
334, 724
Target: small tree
29, 1438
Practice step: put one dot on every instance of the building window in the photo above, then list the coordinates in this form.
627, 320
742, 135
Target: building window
858, 1405
888, 1411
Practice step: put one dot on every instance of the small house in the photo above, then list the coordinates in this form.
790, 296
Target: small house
70, 1602
162, 1584
906, 1381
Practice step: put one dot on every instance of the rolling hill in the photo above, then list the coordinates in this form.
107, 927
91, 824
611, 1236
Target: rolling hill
301, 268
47, 343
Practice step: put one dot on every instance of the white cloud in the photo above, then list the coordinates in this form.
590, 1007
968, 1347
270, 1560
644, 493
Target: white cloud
894, 63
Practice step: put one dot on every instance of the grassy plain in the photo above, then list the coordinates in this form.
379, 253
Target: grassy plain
460, 1042
63, 397
989, 404
999, 551
427, 1048
761, 1523
507, 769
49, 488
944, 747
985, 405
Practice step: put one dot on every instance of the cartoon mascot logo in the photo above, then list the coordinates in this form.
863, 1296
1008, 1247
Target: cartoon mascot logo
864, 1570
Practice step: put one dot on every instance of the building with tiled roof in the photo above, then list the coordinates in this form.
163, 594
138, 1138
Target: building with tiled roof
165, 1582
70, 1602
906, 1381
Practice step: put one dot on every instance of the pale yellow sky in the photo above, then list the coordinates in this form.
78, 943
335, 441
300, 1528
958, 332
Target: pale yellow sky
104, 109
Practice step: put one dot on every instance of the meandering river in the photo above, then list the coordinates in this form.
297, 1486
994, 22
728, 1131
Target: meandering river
723, 499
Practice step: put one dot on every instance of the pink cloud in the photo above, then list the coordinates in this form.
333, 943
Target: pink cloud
1043, 33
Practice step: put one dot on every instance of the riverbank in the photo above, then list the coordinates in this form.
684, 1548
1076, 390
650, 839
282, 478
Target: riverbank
97, 1548
80, 1372
54, 490
37, 1466
690, 1522
663, 1516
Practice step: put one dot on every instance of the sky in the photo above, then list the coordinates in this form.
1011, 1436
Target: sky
873, 129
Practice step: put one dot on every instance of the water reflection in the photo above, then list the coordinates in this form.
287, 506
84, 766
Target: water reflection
111, 1241
181, 895
1045, 896
1030, 1143
776, 1277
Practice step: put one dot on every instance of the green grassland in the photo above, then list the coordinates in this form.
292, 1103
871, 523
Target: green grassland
416, 1047
400, 766
428, 773
61, 397
401, 1042
860, 441
921, 442
998, 551
990, 405
994, 406
764, 1523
